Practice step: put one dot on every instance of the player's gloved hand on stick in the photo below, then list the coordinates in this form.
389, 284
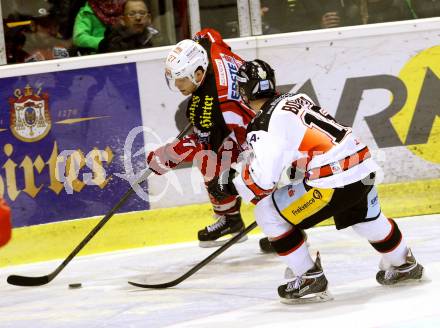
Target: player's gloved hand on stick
167, 157
222, 187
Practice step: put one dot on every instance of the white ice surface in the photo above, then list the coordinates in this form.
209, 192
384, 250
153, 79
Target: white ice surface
238, 289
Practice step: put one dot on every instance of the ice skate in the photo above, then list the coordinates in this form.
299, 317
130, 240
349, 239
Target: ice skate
311, 287
212, 235
411, 271
266, 246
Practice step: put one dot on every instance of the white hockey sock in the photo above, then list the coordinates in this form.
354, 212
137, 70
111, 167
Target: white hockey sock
396, 257
380, 230
299, 260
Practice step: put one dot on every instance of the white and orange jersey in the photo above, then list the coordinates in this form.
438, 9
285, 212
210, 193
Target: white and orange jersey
291, 130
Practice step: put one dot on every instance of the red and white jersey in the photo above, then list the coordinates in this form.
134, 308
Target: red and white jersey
222, 87
215, 110
290, 130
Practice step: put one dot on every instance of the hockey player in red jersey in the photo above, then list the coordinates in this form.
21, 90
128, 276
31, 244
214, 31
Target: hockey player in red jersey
5, 222
206, 69
291, 131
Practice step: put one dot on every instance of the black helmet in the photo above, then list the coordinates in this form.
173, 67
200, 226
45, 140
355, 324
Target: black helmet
256, 79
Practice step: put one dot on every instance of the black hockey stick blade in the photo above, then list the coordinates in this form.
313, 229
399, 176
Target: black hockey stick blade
26, 281
29, 281
199, 265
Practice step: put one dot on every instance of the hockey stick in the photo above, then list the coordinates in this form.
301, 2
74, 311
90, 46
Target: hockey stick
199, 265
42, 280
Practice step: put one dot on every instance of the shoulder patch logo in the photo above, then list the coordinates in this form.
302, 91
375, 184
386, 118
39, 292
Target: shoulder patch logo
221, 73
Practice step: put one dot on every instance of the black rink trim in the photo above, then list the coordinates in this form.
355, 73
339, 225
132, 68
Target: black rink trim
391, 241
289, 242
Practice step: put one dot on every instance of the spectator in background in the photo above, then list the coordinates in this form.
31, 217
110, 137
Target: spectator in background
34, 37
134, 30
91, 23
355, 12
44, 42
64, 12
340, 13
290, 15
15, 40
424, 8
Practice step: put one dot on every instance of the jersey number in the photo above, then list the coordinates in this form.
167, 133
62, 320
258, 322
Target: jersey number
326, 123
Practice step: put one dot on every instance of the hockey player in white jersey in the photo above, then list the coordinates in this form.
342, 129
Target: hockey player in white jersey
291, 131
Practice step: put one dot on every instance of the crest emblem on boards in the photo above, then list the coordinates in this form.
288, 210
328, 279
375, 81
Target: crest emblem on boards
30, 119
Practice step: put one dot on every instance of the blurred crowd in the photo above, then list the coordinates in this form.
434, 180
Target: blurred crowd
66, 28
300, 15
53, 29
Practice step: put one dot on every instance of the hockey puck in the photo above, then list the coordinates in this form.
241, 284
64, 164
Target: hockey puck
77, 285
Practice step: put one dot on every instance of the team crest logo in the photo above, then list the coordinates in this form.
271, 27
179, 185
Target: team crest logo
29, 115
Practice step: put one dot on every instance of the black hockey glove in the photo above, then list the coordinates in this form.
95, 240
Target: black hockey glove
222, 187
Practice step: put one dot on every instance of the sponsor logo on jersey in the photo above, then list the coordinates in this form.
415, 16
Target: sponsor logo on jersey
317, 194
304, 206
335, 167
308, 202
195, 100
29, 114
200, 114
221, 73
206, 119
231, 71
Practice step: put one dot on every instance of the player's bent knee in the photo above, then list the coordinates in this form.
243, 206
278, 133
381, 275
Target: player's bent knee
269, 219
383, 234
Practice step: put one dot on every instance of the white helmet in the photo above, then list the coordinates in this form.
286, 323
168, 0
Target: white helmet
183, 61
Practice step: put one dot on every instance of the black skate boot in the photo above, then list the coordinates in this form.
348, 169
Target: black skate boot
410, 271
266, 246
225, 225
311, 287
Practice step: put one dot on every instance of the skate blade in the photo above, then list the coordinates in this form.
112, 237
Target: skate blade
315, 298
410, 282
220, 242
